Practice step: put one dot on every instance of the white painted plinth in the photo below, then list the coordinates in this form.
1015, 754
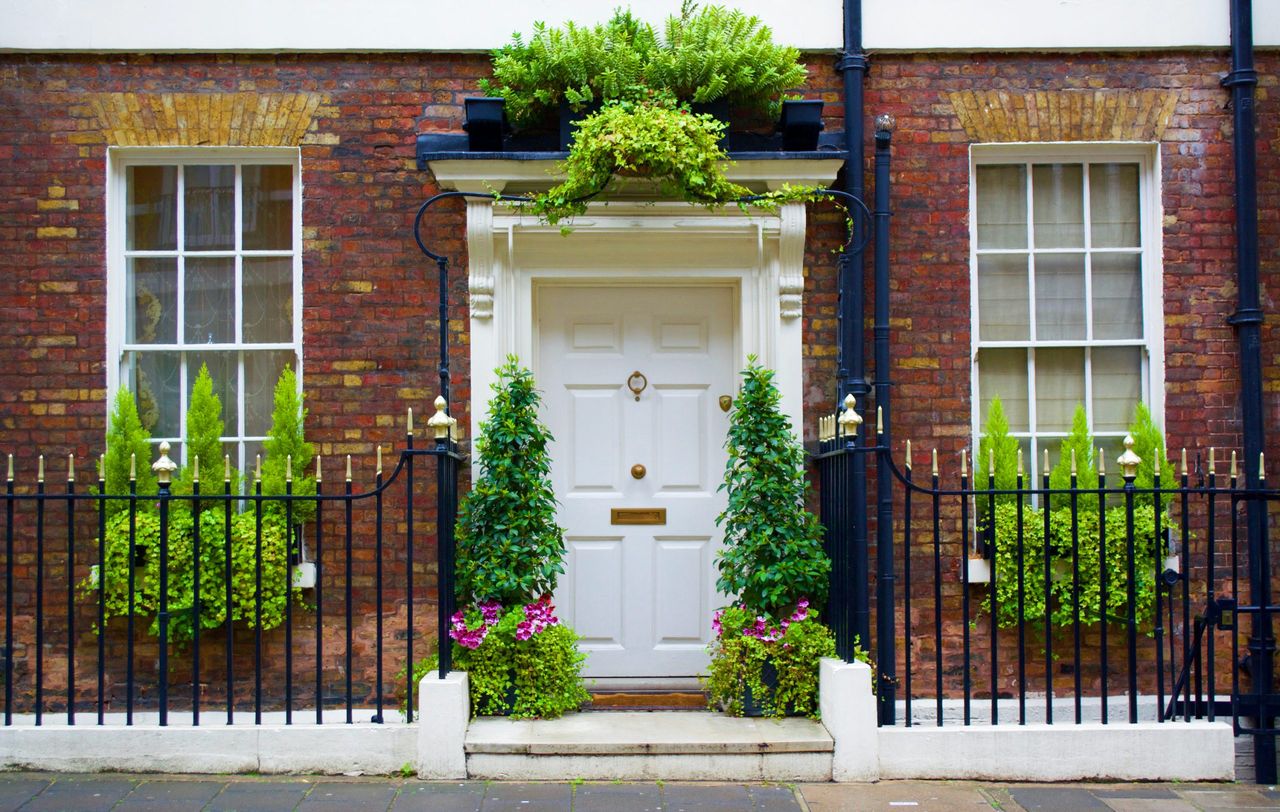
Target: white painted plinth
213, 747
444, 709
1146, 751
848, 709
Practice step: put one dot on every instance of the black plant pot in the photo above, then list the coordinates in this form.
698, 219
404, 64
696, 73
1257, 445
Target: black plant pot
486, 123
800, 124
718, 109
569, 119
751, 705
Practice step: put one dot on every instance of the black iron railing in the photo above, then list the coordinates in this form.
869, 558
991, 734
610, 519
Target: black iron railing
138, 659
1105, 608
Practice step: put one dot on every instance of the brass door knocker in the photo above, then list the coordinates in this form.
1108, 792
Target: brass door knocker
637, 383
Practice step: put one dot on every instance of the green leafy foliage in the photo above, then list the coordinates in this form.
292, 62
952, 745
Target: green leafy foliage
286, 439
1148, 444
126, 438
720, 53
1090, 543
535, 678
1007, 548
702, 56
204, 436
656, 138
772, 554
510, 549
738, 662
1079, 442
996, 441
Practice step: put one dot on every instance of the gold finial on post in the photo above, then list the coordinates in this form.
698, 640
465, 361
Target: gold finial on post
226, 467
409, 423
935, 462
908, 455
879, 420
1129, 461
849, 419
288, 468
71, 468
195, 469
348, 467
164, 467
40, 469
440, 422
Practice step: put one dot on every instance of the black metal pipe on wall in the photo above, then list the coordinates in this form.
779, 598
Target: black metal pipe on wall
1248, 322
886, 656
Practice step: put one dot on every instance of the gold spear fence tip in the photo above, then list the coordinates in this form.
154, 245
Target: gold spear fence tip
319, 476
226, 468
1185, 470
164, 467
1213, 462
257, 467
1073, 462
1129, 461
102, 467
409, 423
991, 462
10, 467
288, 468
908, 460
195, 468
348, 467
1156, 464
379, 455
935, 462
40, 469
1234, 471
1046, 462
1262, 466
964, 462
71, 467
133, 467
879, 420
1020, 470
1102, 463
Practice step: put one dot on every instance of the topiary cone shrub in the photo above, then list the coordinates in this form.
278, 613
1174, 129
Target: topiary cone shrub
772, 566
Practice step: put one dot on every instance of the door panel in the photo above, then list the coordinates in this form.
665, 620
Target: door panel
642, 595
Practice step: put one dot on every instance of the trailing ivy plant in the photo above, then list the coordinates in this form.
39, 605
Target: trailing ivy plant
772, 555
510, 549
1089, 544
1006, 565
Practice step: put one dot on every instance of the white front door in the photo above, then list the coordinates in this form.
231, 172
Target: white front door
641, 595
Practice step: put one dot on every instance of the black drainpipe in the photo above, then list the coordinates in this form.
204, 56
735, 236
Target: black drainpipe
851, 359
1248, 322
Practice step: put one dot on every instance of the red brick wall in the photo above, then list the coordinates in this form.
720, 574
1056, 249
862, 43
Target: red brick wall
369, 296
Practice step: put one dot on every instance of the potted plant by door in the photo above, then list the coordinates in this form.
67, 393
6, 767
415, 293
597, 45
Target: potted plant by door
519, 658
764, 657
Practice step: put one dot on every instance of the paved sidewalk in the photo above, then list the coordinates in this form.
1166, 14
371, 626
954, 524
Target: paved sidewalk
46, 792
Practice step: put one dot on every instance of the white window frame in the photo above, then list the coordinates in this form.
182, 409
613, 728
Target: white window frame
119, 159
1151, 218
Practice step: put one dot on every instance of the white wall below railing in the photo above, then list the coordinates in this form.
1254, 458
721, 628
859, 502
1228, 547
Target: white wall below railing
421, 25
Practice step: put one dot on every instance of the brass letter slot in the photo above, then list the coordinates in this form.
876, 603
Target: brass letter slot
638, 516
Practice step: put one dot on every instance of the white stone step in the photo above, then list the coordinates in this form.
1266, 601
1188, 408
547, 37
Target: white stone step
671, 745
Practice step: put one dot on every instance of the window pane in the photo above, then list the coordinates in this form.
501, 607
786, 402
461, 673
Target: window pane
261, 371
1002, 297
209, 198
1117, 296
154, 381
1059, 296
1002, 206
1113, 205
268, 207
1058, 205
268, 299
1117, 386
1059, 387
223, 371
210, 301
151, 222
1002, 373
152, 302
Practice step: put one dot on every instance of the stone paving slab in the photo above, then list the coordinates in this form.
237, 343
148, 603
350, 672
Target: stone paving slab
81, 793
897, 796
169, 796
255, 796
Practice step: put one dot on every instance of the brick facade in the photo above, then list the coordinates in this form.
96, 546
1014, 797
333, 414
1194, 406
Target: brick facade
369, 298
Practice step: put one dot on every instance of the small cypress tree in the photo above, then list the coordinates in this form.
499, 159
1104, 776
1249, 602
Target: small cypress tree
1080, 441
996, 438
510, 549
204, 434
286, 439
1148, 443
127, 437
772, 554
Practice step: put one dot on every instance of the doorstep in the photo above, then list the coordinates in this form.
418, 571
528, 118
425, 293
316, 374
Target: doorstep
668, 745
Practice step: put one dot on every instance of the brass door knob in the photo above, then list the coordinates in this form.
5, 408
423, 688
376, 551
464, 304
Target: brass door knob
638, 471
